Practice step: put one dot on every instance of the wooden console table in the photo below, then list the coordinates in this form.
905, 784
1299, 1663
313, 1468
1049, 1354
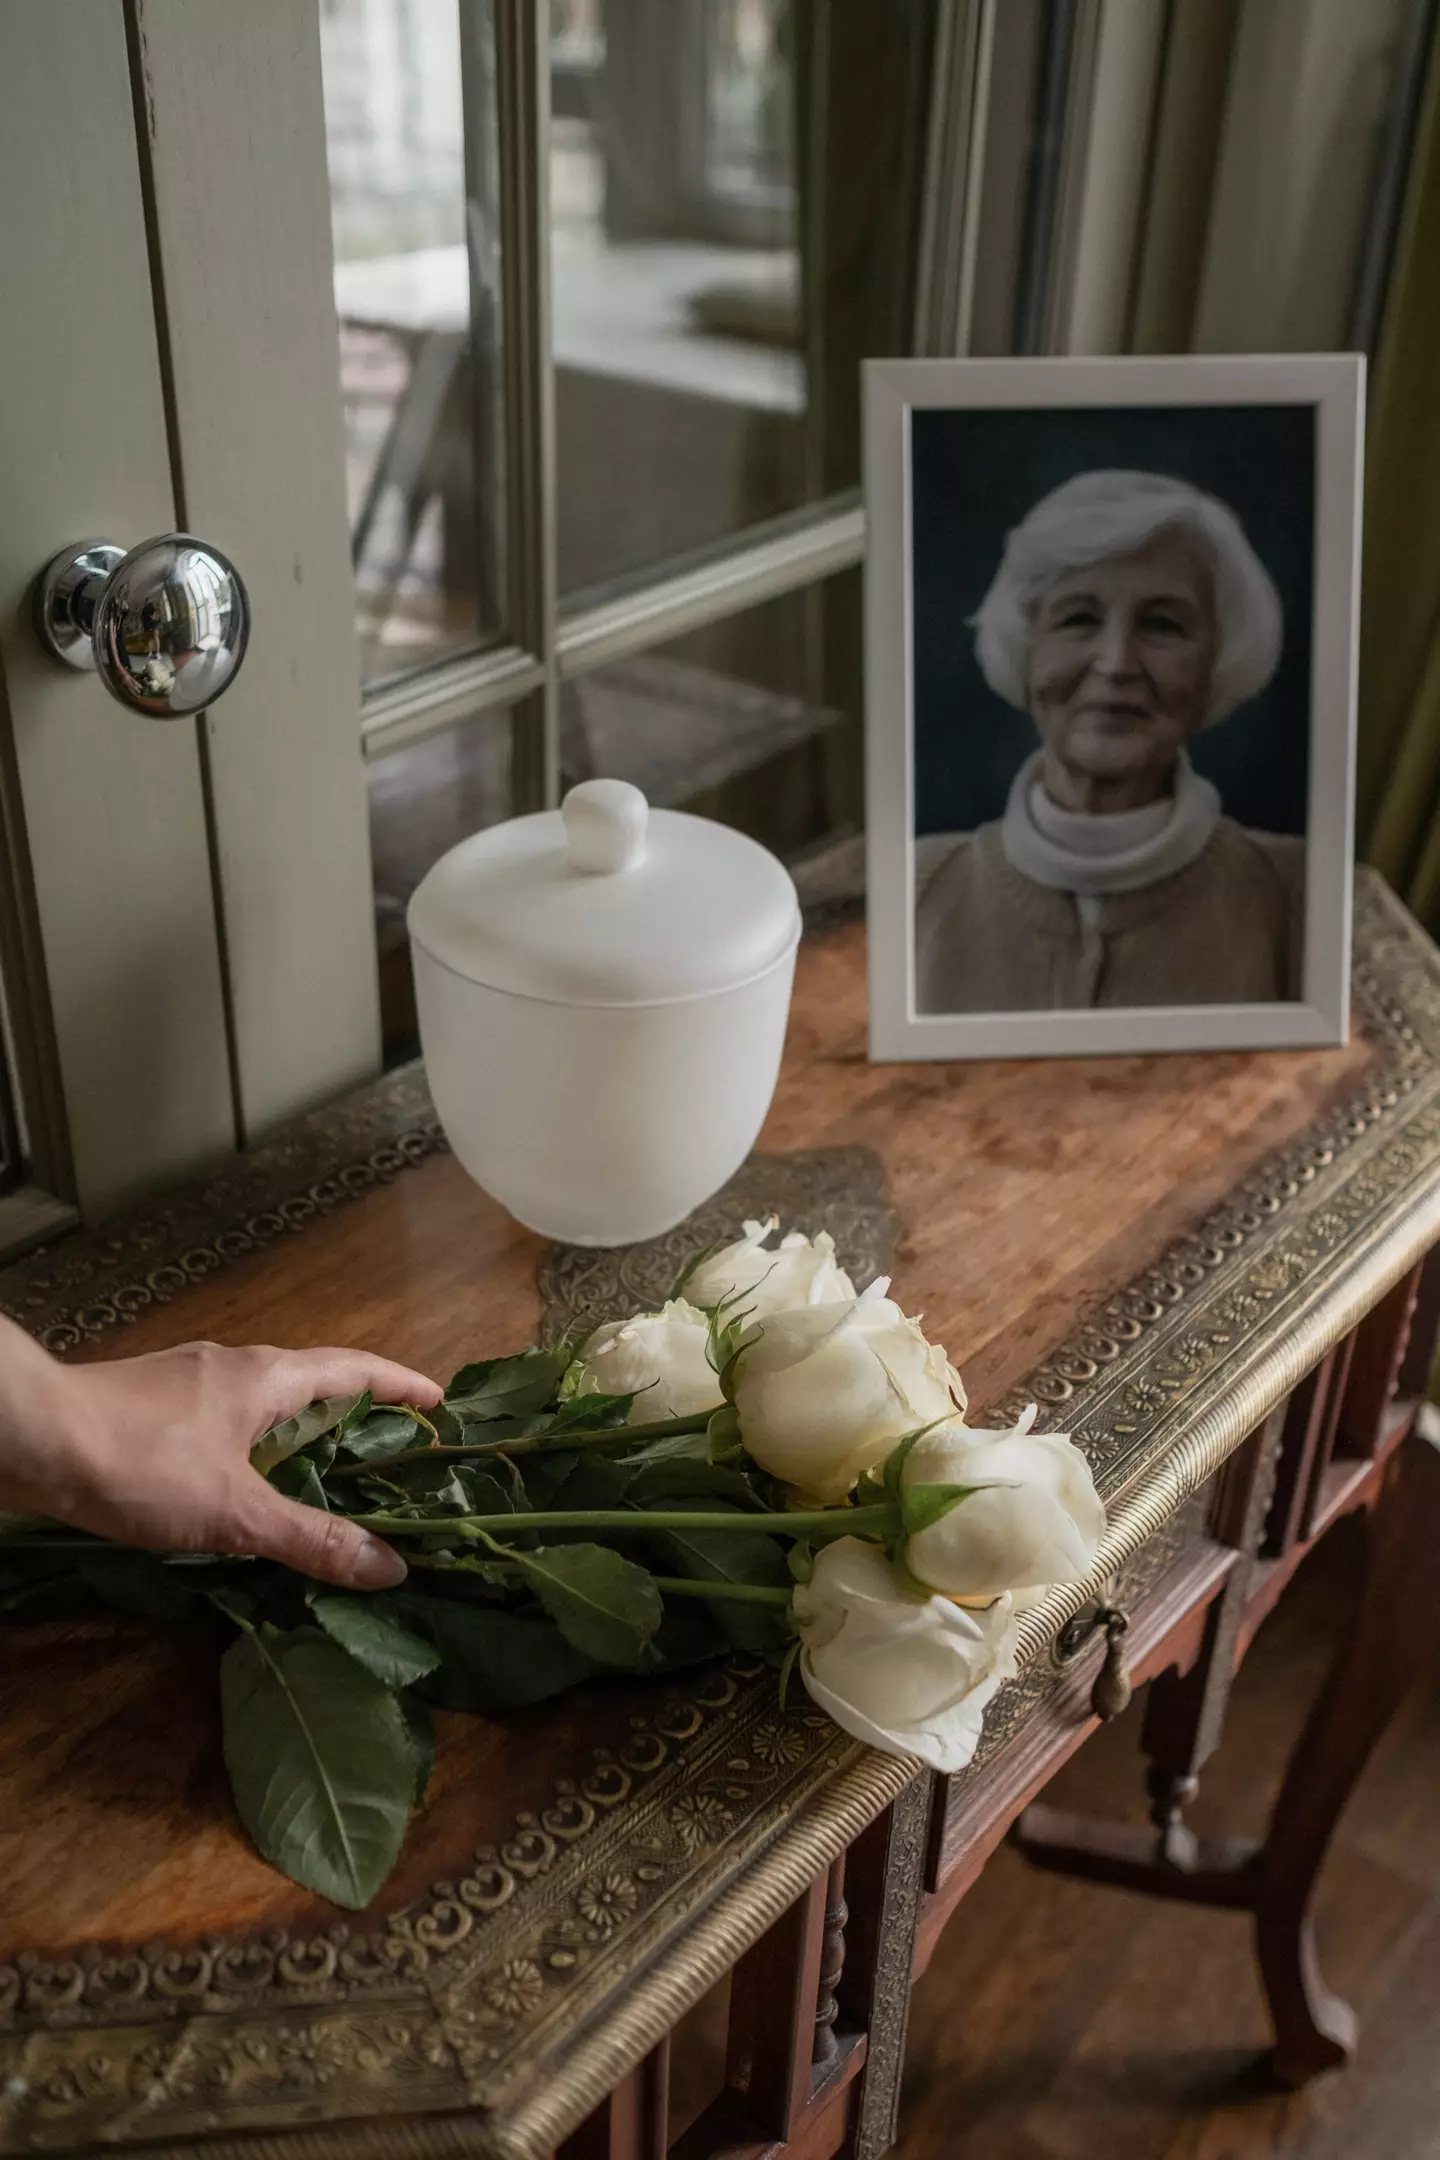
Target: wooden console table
1211, 1269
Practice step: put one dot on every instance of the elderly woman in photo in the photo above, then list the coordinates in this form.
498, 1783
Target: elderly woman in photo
1129, 611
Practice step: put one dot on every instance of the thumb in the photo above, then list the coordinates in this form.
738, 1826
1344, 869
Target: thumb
314, 1543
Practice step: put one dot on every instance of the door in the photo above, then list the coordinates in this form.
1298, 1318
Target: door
511, 351
186, 910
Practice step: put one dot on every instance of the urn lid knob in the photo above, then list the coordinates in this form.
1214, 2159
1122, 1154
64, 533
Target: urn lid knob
607, 902
605, 826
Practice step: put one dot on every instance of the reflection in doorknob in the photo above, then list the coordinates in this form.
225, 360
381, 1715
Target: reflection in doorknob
165, 625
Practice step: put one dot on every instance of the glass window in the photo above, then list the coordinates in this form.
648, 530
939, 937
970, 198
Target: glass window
754, 720
411, 141
423, 799
734, 203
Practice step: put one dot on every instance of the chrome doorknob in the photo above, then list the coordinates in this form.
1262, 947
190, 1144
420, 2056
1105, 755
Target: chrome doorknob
165, 625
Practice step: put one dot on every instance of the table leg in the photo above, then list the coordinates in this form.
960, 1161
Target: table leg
1396, 1633
884, 1879
630, 2123
1184, 1717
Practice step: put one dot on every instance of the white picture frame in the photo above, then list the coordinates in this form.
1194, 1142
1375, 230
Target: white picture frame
896, 391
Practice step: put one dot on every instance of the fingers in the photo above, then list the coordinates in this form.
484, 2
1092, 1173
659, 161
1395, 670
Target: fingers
314, 1543
298, 1377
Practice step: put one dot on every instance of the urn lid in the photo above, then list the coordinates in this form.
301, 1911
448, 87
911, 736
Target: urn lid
607, 902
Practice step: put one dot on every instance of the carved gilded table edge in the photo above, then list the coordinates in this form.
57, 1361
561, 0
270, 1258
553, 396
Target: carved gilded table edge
1373, 1189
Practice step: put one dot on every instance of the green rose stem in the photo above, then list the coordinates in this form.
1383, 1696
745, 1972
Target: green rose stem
553, 1443
669, 1585
879, 1520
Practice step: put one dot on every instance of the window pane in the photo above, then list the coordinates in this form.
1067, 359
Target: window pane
734, 203
754, 720
424, 799
410, 135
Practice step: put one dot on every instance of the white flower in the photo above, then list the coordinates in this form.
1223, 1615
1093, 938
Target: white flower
659, 1358
909, 1675
801, 1271
824, 1392
1040, 1523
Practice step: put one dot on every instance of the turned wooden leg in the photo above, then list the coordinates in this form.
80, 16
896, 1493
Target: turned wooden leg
832, 1966
1184, 1717
1395, 1634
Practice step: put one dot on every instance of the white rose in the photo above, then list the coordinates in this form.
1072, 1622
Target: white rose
801, 1271
1040, 1523
909, 1675
659, 1358
824, 1392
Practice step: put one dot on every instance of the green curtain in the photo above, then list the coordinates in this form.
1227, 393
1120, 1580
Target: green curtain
1398, 781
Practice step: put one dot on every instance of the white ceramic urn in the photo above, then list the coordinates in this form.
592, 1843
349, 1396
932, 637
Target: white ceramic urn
602, 992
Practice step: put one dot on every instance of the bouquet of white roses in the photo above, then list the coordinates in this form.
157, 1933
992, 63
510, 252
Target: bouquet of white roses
770, 1463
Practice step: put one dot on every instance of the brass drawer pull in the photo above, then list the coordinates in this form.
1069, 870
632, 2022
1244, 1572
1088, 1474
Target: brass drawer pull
1112, 1690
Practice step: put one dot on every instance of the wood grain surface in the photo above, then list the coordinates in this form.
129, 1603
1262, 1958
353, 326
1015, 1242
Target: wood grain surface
1028, 1193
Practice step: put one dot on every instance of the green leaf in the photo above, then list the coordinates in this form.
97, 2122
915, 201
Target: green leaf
543, 1475
608, 1412
723, 1441
137, 1583
602, 1603
685, 1480
590, 1481
298, 1478
923, 1505
484, 1493
732, 1556
730, 1337
492, 1661
438, 1486
381, 1645
445, 1425
672, 1447
507, 1387
381, 1433
801, 1561
421, 1728
686, 1636
321, 1762
294, 1433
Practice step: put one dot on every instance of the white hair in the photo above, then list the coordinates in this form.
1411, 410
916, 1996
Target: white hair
1102, 514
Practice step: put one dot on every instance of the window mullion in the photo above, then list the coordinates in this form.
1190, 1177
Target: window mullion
522, 49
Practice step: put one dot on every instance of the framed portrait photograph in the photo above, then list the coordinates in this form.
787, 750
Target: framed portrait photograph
1110, 703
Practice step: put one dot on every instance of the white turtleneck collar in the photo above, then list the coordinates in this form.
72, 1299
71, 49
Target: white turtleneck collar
1109, 852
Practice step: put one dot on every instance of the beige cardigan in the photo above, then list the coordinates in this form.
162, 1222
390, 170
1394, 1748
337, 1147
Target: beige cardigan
1228, 929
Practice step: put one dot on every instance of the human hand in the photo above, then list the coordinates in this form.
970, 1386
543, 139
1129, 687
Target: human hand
154, 1450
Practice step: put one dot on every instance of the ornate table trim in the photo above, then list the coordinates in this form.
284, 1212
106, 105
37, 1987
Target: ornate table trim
81, 1287
450, 2006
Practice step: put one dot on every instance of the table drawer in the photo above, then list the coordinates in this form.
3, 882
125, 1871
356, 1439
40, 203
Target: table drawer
1166, 1589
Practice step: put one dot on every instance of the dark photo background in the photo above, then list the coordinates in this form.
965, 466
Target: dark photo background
976, 473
